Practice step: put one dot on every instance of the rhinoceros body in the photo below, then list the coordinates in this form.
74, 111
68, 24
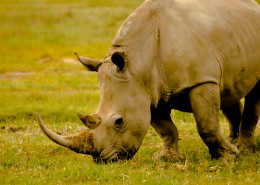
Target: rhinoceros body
198, 56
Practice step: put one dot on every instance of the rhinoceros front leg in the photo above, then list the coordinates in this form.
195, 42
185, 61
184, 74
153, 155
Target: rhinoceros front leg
162, 123
246, 139
234, 117
205, 103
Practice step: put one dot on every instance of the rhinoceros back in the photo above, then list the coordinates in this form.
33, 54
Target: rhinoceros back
214, 41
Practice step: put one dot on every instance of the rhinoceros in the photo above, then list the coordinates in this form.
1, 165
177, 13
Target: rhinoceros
198, 56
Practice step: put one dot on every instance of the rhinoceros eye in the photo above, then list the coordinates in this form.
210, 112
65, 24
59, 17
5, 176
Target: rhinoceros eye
119, 125
119, 122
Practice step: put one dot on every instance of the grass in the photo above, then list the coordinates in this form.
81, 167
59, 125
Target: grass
38, 72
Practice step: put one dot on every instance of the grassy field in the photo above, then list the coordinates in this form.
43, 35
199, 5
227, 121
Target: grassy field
38, 72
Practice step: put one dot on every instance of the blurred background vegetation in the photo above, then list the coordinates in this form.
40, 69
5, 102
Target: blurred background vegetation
34, 32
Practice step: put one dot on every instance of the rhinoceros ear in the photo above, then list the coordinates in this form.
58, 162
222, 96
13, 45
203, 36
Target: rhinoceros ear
90, 64
119, 59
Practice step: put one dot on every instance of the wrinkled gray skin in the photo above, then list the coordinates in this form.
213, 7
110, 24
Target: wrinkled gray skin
198, 56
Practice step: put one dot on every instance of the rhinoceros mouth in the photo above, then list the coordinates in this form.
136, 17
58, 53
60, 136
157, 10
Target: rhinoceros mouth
111, 157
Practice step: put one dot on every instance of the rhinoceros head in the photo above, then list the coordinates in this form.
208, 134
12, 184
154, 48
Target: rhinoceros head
117, 129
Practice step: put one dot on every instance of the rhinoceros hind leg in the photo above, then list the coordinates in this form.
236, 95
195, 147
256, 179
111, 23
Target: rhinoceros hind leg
246, 139
163, 125
205, 103
234, 117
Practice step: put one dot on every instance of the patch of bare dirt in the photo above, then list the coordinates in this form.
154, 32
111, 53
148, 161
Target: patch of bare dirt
15, 74
69, 60
12, 128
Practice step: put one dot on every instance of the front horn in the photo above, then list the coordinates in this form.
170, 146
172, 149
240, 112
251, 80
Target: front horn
80, 143
90, 64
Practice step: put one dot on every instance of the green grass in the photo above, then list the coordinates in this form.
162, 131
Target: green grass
38, 72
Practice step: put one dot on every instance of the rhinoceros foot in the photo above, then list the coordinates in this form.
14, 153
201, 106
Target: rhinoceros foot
227, 156
226, 151
167, 155
246, 144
